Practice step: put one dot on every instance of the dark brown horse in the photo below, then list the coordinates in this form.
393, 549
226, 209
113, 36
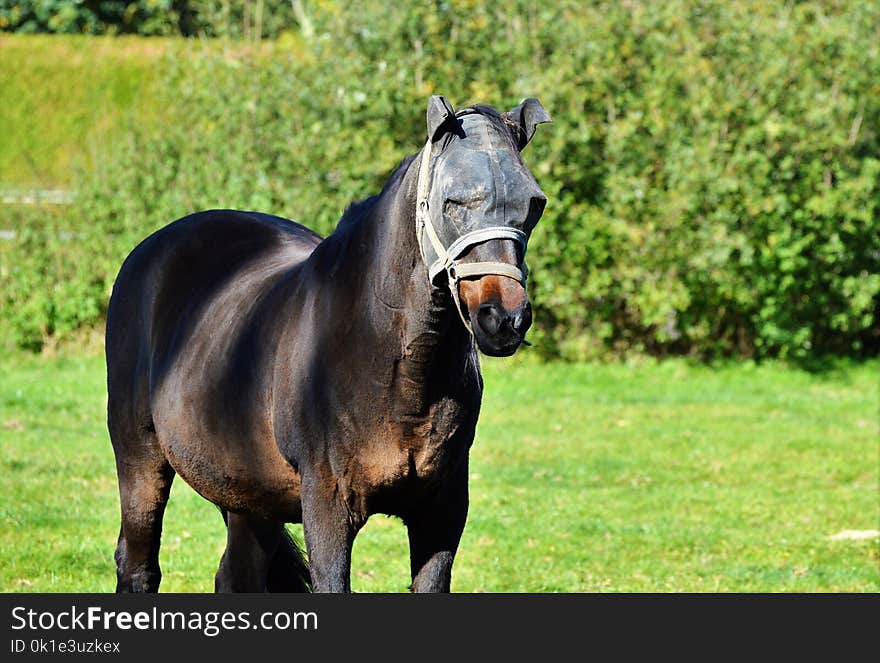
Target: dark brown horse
288, 378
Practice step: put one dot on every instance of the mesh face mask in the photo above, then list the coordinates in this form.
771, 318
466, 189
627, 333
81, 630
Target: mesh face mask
473, 189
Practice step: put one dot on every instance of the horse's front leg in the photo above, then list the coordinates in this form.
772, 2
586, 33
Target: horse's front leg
329, 531
434, 532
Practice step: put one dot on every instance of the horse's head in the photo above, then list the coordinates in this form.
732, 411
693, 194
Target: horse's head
477, 205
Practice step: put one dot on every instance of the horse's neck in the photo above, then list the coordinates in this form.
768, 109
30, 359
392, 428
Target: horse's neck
422, 329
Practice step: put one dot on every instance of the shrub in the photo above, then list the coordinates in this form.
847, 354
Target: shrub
712, 170
211, 18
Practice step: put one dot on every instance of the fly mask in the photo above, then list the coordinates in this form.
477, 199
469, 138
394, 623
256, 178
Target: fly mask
474, 187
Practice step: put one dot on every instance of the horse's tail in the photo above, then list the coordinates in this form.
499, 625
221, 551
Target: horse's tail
289, 570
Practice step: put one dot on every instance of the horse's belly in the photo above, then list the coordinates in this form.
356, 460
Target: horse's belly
251, 480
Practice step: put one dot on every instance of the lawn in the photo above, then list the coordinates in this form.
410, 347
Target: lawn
645, 477
64, 98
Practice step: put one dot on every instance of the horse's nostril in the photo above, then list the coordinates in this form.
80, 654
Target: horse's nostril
522, 320
494, 319
490, 318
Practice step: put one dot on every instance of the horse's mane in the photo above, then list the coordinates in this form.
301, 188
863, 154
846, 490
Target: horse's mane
481, 109
502, 122
359, 209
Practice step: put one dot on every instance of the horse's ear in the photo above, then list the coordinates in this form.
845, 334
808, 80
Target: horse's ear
441, 115
525, 118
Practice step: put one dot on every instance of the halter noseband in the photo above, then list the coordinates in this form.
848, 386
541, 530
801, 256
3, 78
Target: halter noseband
455, 272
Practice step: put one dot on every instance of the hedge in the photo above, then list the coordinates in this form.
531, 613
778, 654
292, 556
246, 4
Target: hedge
250, 19
712, 171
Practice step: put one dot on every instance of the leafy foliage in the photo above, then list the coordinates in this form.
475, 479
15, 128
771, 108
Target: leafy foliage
712, 172
145, 17
210, 18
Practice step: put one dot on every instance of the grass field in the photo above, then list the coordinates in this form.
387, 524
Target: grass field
66, 96
644, 477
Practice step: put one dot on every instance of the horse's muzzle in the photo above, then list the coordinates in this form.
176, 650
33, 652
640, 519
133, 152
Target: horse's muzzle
500, 313
500, 332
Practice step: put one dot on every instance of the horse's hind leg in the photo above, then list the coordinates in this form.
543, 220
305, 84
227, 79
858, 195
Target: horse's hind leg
251, 544
144, 484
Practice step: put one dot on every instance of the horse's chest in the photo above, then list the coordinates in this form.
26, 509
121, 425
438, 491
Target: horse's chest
418, 449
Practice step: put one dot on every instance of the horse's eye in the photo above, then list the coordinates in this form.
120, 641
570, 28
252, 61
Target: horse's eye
472, 201
453, 210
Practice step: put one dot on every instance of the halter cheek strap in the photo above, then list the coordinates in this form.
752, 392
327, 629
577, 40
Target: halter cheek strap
455, 272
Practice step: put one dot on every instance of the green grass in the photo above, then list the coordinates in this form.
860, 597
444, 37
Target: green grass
66, 98
63, 97
643, 477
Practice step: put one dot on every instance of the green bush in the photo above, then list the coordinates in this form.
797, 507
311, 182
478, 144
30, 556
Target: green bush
145, 17
717, 180
210, 18
712, 170
49, 285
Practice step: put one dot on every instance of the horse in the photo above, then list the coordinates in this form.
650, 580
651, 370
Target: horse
293, 379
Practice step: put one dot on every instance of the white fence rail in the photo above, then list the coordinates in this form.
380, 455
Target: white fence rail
36, 196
